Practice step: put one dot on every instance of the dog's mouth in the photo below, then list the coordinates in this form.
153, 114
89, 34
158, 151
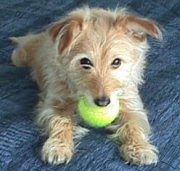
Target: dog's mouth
103, 100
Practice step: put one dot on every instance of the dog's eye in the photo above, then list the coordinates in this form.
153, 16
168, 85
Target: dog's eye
86, 63
116, 63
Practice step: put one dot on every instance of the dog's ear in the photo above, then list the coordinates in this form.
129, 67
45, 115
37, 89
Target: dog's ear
139, 28
66, 31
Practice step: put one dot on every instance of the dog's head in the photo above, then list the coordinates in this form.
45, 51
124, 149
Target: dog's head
103, 51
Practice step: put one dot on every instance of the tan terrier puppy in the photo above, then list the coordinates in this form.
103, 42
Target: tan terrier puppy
101, 55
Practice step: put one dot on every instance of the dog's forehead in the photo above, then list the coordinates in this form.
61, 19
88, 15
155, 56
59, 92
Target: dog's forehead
102, 40
103, 43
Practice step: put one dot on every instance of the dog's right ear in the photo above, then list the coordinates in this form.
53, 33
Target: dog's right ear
66, 31
138, 27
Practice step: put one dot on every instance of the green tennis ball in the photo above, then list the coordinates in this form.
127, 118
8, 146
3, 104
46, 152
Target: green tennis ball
95, 116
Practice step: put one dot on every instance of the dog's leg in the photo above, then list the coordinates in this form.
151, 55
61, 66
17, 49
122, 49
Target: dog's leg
133, 134
56, 120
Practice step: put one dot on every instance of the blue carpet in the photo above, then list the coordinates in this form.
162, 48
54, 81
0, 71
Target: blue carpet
20, 139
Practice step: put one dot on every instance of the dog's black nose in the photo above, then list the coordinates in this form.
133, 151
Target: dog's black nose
102, 101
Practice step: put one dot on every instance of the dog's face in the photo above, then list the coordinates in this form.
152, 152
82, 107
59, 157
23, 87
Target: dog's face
104, 54
100, 65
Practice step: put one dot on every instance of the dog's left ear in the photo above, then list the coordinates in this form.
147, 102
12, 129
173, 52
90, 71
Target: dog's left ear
139, 28
66, 31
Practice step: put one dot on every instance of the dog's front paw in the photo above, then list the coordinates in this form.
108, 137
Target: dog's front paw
56, 152
139, 154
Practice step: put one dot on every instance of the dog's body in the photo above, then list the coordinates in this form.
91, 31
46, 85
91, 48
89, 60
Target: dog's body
99, 54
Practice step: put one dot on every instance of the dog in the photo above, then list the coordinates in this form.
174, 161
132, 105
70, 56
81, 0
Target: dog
96, 53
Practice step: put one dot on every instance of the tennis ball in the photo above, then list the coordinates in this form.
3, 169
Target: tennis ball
96, 116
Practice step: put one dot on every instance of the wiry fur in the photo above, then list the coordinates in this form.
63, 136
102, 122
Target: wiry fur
54, 55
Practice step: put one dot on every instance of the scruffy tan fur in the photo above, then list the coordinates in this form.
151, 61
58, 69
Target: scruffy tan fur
54, 57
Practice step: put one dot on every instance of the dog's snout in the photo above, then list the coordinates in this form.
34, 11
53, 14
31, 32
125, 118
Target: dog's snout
102, 101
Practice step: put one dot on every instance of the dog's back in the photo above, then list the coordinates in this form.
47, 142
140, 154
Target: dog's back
34, 51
